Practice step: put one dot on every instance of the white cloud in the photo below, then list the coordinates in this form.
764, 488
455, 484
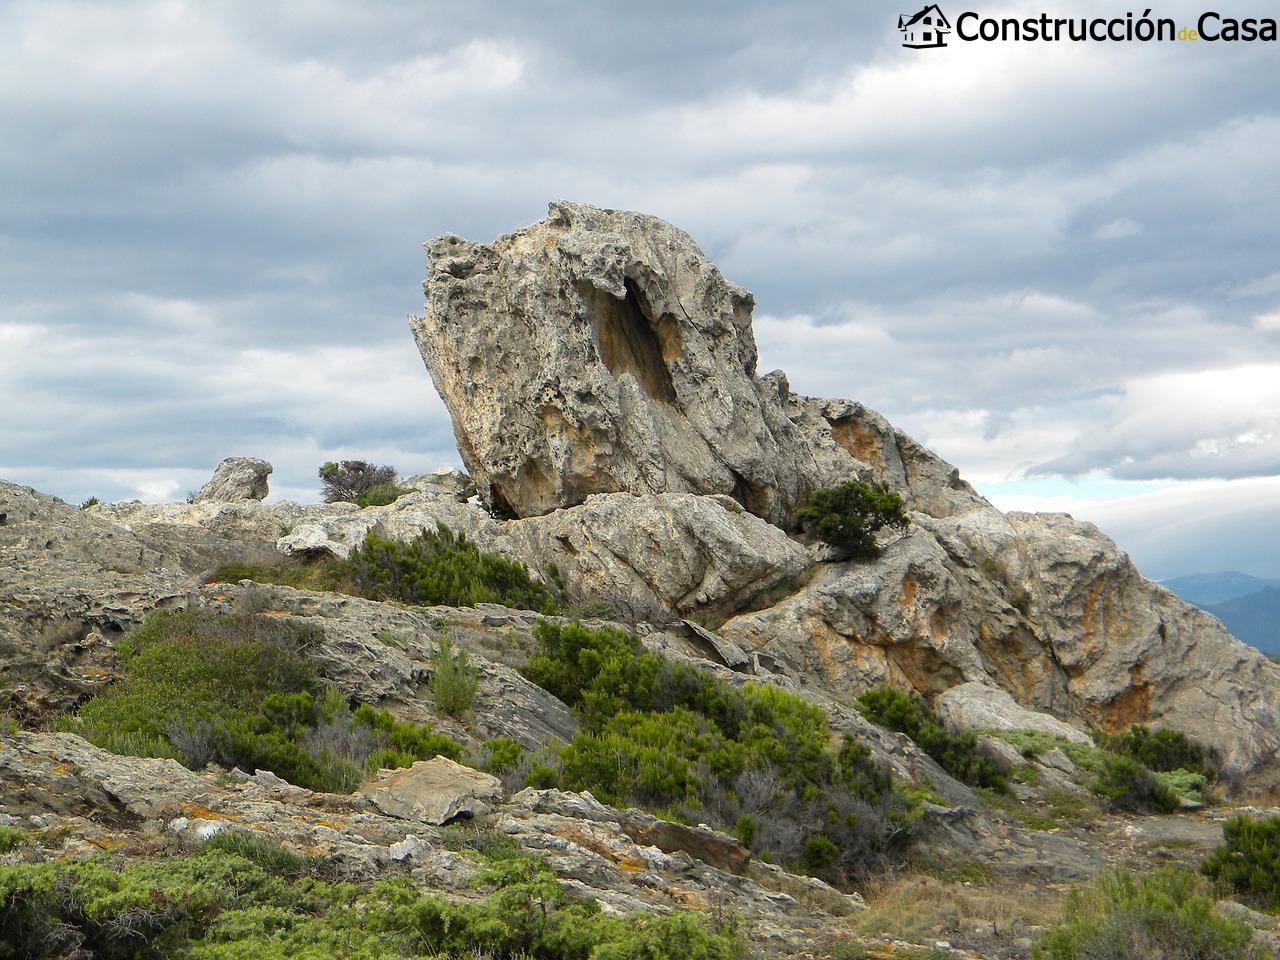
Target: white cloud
1120, 229
1195, 424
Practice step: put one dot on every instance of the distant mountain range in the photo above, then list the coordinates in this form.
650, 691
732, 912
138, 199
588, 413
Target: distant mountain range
1248, 606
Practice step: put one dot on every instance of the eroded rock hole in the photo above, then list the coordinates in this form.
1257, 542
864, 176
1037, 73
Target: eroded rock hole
632, 340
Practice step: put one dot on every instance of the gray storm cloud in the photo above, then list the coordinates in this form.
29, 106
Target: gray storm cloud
1042, 260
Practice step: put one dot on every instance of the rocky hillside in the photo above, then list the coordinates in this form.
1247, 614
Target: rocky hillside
622, 449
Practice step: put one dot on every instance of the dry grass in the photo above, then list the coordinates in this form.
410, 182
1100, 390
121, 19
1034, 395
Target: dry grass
986, 919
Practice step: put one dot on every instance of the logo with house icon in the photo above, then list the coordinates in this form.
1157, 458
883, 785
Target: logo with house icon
928, 28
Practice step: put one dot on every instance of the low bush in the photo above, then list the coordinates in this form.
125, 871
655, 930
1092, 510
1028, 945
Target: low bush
238, 690
219, 904
1134, 770
321, 573
438, 567
848, 516
1163, 914
442, 567
1162, 750
957, 753
756, 760
11, 838
273, 857
1127, 785
1249, 860
354, 480
454, 680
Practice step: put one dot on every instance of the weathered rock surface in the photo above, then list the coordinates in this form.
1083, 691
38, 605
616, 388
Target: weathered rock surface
977, 706
70, 584
434, 791
657, 558
235, 479
599, 351
381, 653
848, 439
1041, 606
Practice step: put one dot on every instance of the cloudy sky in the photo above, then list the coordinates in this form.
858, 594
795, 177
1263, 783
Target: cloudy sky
1055, 264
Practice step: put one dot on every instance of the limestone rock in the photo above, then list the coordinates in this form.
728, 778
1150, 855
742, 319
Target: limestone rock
848, 439
443, 482
972, 705
599, 351
655, 558
71, 584
235, 479
435, 791
710, 846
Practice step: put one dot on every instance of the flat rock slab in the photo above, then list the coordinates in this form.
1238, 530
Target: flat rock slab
434, 791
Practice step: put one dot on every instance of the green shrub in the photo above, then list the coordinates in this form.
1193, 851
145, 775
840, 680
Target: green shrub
1162, 914
502, 755
445, 568
1249, 860
1127, 785
454, 681
11, 838
273, 857
380, 495
1161, 750
91, 502
957, 753
754, 760
238, 690
349, 480
321, 573
1186, 785
221, 905
601, 672
848, 516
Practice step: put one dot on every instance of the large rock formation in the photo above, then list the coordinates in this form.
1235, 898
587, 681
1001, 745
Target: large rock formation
600, 351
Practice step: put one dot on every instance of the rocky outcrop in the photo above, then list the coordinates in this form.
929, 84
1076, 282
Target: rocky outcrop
1040, 606
848, 439
236, 479
600, 351
71, 583
73, 800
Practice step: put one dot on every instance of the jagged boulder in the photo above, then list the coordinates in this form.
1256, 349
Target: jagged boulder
658, 558
235, 479
434, 791
599, 351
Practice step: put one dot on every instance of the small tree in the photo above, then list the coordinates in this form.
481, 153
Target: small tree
453, 680
848, 516
355, 480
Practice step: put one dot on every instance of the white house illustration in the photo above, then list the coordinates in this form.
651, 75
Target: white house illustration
928, 28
